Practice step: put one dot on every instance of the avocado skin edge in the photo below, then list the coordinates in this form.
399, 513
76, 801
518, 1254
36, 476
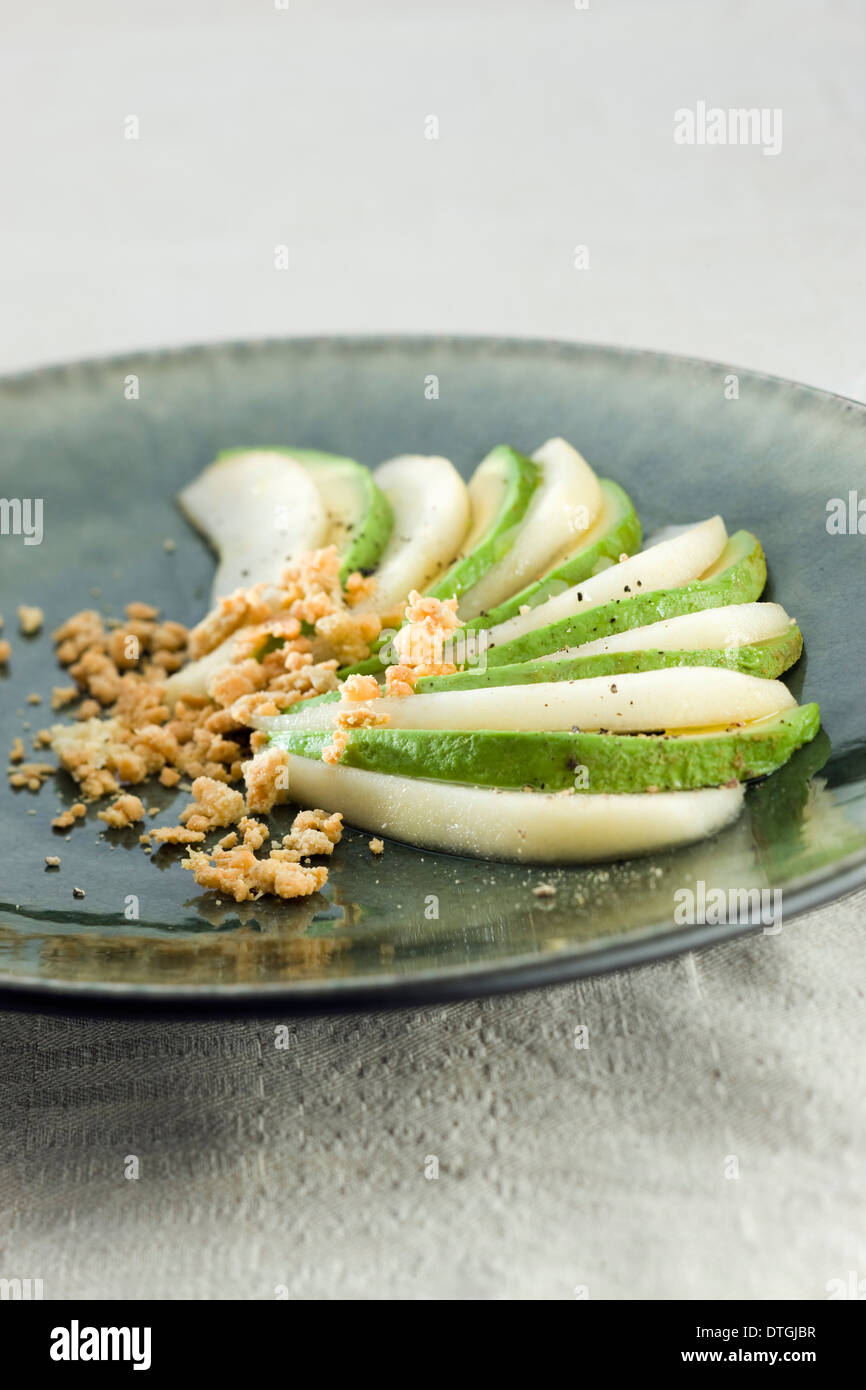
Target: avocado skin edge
622, 537
522, 484
550, 761
460, 577
741, 582
767, 659
365, 549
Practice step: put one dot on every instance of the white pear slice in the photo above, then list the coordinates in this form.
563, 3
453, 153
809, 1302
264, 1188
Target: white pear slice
359, 517
191, 680
487, 489
667, 533
258, 509
687, 697
732, 625
664, 566
565, 504
431, 509
536, 828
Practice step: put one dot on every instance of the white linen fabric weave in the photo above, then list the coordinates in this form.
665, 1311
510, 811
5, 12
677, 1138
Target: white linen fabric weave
707, 1143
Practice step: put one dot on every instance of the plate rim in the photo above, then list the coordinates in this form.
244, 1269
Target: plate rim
390, 340
441, 985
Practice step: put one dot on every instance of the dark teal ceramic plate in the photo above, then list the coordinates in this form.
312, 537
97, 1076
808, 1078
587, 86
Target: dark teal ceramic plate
413, 924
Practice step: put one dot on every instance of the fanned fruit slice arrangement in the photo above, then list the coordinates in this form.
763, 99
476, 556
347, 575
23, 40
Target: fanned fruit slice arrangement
526, 681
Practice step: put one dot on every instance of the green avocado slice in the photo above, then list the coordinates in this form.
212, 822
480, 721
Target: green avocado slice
768, 658
584, 762
738, 576
359, 513
500, 491
616, 531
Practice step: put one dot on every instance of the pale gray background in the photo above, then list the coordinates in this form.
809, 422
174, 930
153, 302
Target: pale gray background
559, 1168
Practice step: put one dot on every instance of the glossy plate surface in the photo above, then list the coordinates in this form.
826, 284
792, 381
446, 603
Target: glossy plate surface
412, 925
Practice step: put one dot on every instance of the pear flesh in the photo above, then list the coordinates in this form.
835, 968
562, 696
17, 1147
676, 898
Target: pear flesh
430, 503
534, 828
678, 698
665, 566
733, 625
615, 531
259, 510
566, 503
500, 491
359, 515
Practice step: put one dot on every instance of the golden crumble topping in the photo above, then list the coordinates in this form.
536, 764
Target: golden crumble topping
250, 707
254, 832
174, 835
97, 656
240, 875
213, 805
349, 636
123, 812
420, 643
314, 832
141, 610
30, 775
235, 869
310, 593
358, 688
30, 619
129, 721
400, 681
334, 750
267, 780
359, 587
66, 819
355, 690
62, 695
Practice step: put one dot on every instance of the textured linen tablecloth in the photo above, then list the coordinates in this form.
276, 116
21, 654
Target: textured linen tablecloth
709, 1140
608, 1168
